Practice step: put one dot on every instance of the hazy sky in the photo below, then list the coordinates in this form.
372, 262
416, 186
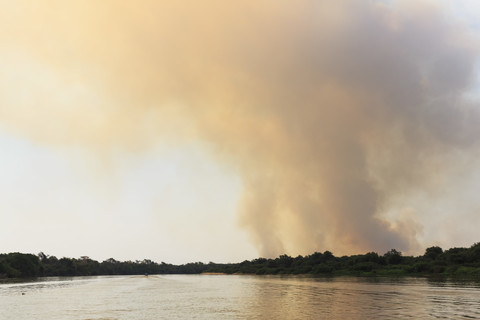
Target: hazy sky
220, 131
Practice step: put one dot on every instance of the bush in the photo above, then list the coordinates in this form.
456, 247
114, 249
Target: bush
422, 267
322, 268
365, 266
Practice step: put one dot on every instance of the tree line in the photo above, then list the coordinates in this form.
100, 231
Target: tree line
454, 261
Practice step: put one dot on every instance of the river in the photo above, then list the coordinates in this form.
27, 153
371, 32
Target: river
238, 297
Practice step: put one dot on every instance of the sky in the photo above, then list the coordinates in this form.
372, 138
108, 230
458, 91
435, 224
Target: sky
183, 131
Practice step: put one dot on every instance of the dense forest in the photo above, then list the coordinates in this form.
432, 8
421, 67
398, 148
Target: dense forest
454, 261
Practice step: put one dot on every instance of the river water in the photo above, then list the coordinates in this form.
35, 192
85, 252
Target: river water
238, 297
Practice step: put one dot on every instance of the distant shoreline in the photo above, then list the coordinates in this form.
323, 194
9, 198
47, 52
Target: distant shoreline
213, 273
463, 262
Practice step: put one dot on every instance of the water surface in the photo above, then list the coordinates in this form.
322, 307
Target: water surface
238, 297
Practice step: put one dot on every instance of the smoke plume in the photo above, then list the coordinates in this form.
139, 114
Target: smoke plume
333, 112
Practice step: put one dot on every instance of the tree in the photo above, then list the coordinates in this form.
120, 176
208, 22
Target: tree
433, 252
285, 261
393, 257
43, 257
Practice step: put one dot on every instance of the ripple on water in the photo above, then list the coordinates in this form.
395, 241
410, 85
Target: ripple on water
238, 297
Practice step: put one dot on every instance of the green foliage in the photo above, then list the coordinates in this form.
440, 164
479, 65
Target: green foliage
454, 261
365, 266
393, 271
433, 252
393, 257
322, 268
421, 267
20, 265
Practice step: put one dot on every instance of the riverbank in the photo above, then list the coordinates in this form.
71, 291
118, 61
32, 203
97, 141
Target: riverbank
435, 261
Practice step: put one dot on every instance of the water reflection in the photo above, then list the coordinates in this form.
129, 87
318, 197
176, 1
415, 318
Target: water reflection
239, 297
364, 298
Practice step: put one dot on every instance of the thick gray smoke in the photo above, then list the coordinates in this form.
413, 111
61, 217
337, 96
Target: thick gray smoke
331, 111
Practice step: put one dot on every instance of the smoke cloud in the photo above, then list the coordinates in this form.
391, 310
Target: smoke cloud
332, 112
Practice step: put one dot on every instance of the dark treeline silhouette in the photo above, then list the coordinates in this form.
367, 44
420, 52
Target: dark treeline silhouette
454, 261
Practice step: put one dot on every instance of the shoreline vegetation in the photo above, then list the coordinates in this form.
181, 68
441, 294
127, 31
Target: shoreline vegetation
463, 262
